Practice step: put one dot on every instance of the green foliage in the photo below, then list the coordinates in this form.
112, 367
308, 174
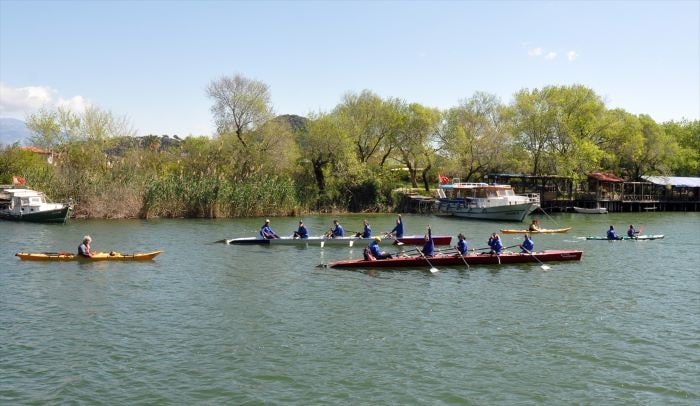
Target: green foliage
352, 158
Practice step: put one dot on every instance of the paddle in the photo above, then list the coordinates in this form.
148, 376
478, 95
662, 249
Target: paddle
462, 256
396, 241
543, 266
432, 268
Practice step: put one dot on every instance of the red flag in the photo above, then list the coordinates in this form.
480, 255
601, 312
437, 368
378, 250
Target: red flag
444, 180
18, 180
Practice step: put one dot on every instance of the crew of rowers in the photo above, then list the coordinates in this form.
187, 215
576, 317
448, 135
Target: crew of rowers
336, 231
631, 233
494, 243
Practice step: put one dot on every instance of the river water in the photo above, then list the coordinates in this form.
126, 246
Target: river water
216, 324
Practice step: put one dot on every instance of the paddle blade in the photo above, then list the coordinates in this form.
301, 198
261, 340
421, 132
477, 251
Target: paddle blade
434, 270
546, 267
351, 243
323, 243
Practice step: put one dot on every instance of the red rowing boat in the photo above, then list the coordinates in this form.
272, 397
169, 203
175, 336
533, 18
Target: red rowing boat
420, 239
456, 260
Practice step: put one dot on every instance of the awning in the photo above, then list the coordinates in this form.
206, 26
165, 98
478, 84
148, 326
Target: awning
677, 181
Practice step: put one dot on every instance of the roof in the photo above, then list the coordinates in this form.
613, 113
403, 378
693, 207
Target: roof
605, 177
678, 181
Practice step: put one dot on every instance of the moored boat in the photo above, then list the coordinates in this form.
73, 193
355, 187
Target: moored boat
97, 256
483, 201
19, 204
340, 241
594, 210
540, 231
457, 260
624, 238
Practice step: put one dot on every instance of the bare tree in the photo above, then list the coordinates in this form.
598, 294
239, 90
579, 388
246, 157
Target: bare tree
240, 105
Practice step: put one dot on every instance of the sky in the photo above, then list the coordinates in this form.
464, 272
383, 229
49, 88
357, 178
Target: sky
151, 61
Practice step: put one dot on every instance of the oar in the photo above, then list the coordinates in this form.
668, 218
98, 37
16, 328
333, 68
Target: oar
396, 240
545, 267
462, 256
432, 268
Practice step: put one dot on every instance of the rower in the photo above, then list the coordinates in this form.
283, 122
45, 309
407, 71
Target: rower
631, 232
301, 232
528, 245
375, 251
429, 246
398, 230
337, 231
462, 247
367, 231
266, 231
495, 244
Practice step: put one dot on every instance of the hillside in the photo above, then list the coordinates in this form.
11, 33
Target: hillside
13, 130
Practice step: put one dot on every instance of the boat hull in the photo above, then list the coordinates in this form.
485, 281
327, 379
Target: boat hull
626, 238
44, 216
337, 242
512, 212
598, 210
456, 260
98, 256
542, 231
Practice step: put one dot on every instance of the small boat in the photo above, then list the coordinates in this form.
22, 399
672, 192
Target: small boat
540, 231
639, 237
30, 205
457, 260
595, 210
97, 256
340, 241
483, 201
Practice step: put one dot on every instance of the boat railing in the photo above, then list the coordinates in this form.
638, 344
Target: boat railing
533, 198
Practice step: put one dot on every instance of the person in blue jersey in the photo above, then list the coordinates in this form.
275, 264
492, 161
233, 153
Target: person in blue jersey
528, 245
376, 251
495, 244
398, 230
301, 232
266, 231
367, 230
84, 248
631, 232
429, 246
337, 230
612, 234
462, 246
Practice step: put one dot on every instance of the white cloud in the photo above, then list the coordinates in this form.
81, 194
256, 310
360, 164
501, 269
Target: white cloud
571, 56
18, 102
535, 51
75, 103
550, 55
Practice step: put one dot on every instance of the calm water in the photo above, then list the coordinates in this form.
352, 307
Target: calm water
210, 323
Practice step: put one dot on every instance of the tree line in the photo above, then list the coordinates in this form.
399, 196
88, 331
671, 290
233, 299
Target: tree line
351, 158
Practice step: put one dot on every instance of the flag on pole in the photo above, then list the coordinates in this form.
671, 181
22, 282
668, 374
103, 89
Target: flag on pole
18, 180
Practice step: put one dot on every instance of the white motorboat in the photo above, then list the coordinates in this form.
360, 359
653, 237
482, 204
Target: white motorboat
484, 202
29, 205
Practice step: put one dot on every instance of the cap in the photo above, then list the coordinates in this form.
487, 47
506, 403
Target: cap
267, 221
377, 239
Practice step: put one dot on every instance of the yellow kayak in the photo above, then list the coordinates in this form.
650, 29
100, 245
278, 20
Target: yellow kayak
97, 256
540, 231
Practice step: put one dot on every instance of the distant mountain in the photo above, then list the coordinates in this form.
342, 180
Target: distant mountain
13, 130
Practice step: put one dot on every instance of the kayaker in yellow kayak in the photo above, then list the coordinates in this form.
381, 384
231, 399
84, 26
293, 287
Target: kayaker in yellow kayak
84, 248
535, 226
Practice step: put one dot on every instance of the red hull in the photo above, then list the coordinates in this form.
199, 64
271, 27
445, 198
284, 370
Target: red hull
454, 260
420, 239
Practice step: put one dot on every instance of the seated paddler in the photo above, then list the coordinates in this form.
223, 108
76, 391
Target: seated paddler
375, 251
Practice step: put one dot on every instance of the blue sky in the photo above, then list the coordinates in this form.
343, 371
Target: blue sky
152, 60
